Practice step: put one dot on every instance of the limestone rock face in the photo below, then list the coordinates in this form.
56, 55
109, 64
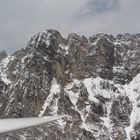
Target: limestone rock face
94, 80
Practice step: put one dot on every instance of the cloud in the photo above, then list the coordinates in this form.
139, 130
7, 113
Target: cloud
22, 19
116, 17
96, 7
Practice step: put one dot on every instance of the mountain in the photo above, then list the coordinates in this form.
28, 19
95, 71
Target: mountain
94, 80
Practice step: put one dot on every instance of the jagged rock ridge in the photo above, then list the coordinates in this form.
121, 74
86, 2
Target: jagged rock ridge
94, 80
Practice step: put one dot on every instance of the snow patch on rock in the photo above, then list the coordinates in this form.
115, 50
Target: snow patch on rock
55, 89
3, 69
133, 92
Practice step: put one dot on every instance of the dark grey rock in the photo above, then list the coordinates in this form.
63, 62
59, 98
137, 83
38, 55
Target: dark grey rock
49, 56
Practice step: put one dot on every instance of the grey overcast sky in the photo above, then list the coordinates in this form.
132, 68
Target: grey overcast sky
20, 19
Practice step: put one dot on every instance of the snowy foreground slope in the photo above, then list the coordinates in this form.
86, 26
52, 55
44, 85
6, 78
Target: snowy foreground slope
94, 80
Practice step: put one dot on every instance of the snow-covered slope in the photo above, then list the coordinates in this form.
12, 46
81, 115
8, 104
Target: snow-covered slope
94, 80
4, 68
133, 92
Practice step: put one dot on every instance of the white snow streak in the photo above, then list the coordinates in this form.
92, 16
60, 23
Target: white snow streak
133, 92
73, 95
90, 85
55, 89
106, 119
93, 86
3, 69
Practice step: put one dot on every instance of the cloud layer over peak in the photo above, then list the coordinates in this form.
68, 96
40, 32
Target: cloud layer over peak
21, 19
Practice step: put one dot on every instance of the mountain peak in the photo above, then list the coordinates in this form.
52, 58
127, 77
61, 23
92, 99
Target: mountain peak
45, 39
95, 81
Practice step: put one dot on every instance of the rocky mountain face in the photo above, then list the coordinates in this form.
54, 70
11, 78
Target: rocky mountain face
95, 80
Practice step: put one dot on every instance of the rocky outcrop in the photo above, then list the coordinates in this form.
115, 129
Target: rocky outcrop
93, 80
3, 55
